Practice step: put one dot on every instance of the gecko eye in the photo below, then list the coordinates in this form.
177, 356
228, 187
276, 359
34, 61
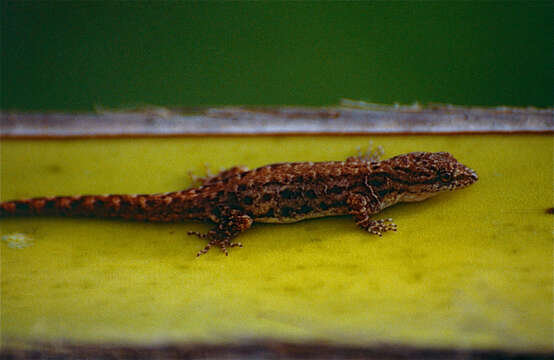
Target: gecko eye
445, 177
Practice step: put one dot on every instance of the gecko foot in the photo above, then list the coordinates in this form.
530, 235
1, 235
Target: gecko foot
223, 244
224, 231
377, 227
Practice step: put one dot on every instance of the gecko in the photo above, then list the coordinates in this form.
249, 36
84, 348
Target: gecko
361, 186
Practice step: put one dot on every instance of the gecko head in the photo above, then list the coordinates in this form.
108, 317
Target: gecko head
427, 174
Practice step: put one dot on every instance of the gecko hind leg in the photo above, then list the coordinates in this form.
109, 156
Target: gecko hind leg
225, 230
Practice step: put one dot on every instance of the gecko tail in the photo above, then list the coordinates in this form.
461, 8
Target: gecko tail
57, 206
168, 207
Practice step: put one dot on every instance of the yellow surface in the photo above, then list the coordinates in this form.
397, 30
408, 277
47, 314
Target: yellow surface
471, 268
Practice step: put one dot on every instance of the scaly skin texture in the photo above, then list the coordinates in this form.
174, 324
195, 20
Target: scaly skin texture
361, 186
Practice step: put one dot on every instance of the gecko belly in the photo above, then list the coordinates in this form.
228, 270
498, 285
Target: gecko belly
300, 217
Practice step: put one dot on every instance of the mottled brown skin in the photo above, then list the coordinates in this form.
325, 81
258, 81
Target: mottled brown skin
361, 186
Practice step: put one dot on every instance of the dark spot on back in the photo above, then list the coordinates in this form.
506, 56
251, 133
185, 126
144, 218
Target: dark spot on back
242, 187
310, 194
383, 192
288, 194
232, 197
269, 214
49, 205
376, 180
77, 203
285, 194
266, 197
124, 202
195, 209
286, 211
336, 190
305, 209
247, 200
338, 204
323, 206
21, 206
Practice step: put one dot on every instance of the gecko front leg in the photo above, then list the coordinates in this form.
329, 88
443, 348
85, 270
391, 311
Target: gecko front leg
229, 225
362, 206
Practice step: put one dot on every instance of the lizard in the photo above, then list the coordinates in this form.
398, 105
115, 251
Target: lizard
361, 186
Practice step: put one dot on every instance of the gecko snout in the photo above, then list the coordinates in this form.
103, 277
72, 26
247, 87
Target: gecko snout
464, 176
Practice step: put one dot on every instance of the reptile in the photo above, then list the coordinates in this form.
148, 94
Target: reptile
360, 186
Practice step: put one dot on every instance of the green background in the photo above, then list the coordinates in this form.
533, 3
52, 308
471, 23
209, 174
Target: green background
75, 56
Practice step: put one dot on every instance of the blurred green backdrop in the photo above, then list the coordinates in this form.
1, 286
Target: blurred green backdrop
75, 56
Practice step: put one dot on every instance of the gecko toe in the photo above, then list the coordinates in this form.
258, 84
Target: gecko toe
203, 251
207, 247
199, 234
378, 227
